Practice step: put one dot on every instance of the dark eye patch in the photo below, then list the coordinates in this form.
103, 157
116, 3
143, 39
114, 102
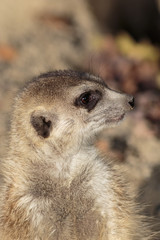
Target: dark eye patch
88, 99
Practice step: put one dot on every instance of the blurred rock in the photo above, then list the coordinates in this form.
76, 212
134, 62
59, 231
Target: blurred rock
140, 18
7, 53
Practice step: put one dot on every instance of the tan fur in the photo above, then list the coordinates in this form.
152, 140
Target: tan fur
56, 184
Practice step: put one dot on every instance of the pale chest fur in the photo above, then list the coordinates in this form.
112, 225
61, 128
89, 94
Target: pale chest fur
81, 202
69, 204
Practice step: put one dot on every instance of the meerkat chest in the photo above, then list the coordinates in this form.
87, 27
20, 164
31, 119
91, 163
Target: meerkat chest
69, 210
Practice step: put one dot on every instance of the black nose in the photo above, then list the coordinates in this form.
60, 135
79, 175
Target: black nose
131, 102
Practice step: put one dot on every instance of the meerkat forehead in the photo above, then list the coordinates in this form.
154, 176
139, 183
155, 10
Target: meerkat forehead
72, 75
56, 80
55, 84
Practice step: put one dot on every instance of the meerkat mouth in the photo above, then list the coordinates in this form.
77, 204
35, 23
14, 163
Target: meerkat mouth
116, 119
121, 117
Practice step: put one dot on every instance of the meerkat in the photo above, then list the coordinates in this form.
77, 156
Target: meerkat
57, 186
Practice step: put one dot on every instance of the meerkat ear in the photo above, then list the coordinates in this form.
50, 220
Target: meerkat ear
41, 123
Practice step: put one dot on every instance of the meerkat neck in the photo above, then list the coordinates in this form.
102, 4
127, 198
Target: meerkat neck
50, 155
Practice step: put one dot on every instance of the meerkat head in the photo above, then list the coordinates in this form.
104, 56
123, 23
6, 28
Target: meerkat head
65, 108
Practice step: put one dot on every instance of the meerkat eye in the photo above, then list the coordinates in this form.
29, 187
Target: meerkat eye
88, 99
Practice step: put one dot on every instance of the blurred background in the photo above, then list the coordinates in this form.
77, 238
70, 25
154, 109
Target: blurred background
119, 41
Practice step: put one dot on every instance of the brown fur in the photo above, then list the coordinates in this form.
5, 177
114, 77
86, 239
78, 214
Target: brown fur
56, 184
